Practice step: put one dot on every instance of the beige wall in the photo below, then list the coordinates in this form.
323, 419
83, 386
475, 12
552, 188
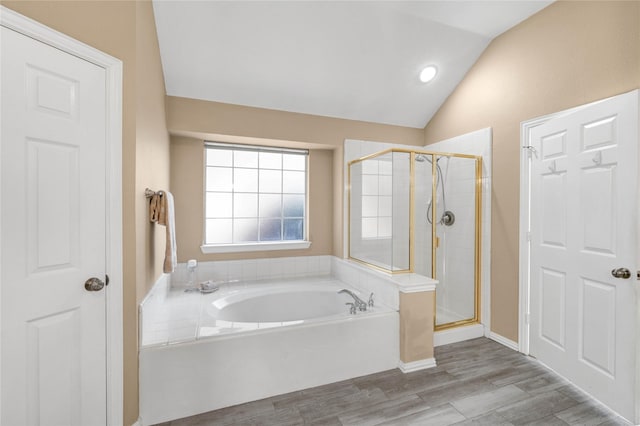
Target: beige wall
568, 54
125, 30
152, 148
152, 170
417, 319
214, 118
191, 121
187, 186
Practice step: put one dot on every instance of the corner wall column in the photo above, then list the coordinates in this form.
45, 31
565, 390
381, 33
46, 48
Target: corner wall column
417, 319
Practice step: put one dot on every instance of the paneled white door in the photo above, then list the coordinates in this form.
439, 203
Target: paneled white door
53, 183
583, 227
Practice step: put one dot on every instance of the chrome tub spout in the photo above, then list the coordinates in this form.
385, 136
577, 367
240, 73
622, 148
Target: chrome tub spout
361, 304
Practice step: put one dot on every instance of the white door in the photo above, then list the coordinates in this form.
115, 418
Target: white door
52, 163
583, 226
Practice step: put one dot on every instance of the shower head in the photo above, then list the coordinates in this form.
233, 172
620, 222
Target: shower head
421, 158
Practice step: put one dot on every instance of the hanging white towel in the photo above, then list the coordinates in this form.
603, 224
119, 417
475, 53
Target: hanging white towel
162, 211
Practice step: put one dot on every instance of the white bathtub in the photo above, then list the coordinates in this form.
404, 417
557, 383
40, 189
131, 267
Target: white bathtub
277, 303
251, 341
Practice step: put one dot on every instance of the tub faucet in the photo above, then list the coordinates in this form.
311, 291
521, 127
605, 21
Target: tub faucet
361, 304
192, 266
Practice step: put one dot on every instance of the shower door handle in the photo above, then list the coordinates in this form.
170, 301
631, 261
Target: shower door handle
623, 273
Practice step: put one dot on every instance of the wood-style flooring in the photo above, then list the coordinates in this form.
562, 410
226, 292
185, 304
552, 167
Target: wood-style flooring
477, 382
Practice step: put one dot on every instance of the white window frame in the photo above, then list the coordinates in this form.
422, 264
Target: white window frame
257, 246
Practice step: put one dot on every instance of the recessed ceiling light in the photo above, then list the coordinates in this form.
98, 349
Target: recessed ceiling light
428, 73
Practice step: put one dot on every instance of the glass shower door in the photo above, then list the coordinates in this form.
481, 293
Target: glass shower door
455, 212
446, 234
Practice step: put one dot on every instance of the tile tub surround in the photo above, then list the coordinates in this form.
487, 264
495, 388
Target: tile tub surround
413, 295
179, 317
168, 315
255, 269
385, 287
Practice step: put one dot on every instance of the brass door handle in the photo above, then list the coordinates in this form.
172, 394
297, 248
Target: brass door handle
623, 273
94, 284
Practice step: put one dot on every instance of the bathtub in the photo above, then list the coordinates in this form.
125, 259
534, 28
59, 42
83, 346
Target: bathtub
275, 304
248, 341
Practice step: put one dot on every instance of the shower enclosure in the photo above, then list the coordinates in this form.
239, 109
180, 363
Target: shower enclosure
419, 211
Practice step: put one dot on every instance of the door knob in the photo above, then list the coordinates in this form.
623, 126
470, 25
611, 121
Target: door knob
621, 273
94, 284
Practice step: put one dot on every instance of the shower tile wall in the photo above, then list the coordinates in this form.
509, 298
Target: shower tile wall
422, 227
401, 210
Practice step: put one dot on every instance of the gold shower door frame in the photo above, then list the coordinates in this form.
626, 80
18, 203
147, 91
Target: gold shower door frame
434, 247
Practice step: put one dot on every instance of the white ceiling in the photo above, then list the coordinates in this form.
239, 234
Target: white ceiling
356, 60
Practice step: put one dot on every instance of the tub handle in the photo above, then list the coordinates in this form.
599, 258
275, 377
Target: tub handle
352, 309
370, 303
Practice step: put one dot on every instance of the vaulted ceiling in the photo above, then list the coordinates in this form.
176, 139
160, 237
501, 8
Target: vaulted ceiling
356, 60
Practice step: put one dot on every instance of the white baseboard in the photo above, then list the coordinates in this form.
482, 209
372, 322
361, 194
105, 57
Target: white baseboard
138, 422
409, 367
503, 341
458, 334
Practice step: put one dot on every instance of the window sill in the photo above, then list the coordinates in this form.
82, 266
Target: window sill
237, 248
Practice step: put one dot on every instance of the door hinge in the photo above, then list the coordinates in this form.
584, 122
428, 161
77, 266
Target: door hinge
528, 236
530, 150
106, 279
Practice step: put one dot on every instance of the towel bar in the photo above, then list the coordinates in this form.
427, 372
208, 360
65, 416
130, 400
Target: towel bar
150, 193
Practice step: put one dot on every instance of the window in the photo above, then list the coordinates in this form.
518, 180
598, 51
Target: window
254, 195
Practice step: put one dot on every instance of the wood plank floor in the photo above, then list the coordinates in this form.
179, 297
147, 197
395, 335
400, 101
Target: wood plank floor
477, 382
